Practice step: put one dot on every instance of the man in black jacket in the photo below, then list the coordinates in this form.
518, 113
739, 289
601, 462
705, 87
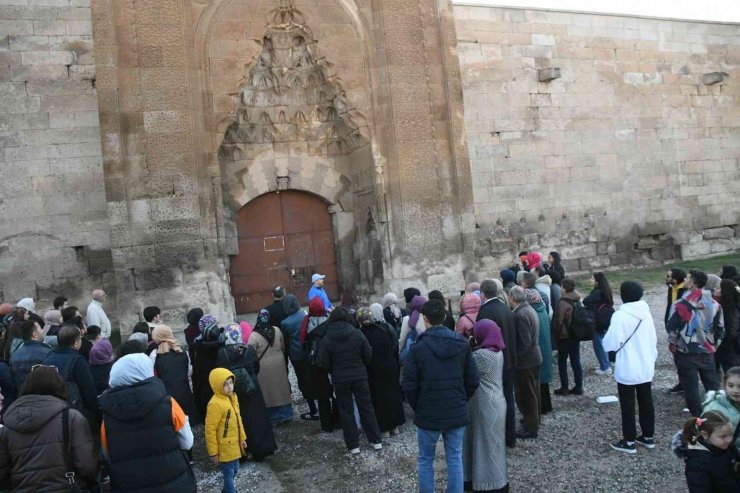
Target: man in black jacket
439, 378
74, 369
277, 315
495, 309
345, 353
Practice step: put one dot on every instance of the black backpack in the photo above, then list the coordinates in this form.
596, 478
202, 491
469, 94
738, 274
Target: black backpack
582, 322
74, 397
604, 318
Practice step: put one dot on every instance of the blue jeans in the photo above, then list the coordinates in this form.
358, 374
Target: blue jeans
599, 351
229, 470
427, 440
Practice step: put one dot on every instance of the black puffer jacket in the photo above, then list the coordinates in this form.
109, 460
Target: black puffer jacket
439, 377
708, 468
32, 446
143, 446
345, 353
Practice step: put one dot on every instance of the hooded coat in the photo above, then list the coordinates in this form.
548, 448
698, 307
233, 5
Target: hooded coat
345, 353
636, 359
439, 378
255, 418
224, 432
718, 401
32, 446
144, 431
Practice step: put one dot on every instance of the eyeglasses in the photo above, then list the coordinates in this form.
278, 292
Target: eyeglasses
44, 366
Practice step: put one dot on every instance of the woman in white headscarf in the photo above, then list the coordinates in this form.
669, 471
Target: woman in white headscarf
144, 431
392, 314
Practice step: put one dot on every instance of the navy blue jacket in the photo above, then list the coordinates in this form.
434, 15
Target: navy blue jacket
79, 373
28, 354
439, 377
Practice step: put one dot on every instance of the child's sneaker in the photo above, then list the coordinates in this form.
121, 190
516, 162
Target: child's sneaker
645, 442
623, 446
377, 446
354, 451
608, 371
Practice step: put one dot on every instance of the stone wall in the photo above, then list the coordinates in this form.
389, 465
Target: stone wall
630, 156
55, 235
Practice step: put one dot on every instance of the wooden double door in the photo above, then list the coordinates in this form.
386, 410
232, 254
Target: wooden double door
284, 238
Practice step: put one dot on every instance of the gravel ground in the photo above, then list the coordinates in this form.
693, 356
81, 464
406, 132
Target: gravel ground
572, 453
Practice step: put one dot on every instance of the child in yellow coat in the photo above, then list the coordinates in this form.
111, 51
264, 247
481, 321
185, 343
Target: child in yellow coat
226, 440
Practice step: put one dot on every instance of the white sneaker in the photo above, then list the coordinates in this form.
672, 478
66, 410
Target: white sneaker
377, 446
608, 371
354, 451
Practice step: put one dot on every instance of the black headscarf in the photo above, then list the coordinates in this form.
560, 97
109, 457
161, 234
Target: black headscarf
194, 316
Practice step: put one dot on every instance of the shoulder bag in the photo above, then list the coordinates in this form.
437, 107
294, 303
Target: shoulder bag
70, 474
630, 337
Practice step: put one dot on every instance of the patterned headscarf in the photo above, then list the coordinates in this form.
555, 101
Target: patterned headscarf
206, 322
364, 316
165, 339
233, 333
263, 327
533, 296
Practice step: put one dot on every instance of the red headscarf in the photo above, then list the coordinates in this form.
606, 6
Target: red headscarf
534, 259
315, 309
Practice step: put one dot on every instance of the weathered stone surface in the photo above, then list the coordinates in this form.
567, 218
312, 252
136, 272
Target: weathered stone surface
613, 138
717, 233
51, 166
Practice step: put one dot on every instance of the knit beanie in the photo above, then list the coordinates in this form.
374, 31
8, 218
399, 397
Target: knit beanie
630, 291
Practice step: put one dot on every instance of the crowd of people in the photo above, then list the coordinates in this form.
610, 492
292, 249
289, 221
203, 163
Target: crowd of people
79, 415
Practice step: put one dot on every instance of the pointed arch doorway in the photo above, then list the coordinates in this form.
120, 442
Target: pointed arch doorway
284, 238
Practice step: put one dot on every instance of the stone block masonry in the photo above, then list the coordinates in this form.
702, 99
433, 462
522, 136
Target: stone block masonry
630, 157
55, 235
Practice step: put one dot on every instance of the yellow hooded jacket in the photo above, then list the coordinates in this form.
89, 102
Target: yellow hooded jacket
224, 428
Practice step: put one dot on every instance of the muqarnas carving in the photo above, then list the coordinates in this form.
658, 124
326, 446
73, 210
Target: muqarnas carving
290, 94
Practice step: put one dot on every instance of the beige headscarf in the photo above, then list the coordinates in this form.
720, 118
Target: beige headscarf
163, 336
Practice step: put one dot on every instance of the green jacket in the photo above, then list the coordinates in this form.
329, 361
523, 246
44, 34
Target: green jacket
720, 402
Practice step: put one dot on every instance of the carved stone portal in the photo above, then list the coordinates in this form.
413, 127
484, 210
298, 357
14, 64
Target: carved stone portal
294, 127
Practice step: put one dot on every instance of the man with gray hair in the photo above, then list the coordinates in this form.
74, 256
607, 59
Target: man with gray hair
494, 308
528, 361
96, 315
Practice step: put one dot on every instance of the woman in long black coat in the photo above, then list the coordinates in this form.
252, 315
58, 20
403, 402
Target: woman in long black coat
172, 366
205, 352
383, 372
236, 355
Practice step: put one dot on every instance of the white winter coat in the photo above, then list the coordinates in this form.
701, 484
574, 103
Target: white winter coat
636, 360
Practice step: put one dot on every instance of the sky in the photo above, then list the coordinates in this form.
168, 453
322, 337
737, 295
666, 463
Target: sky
708, 10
